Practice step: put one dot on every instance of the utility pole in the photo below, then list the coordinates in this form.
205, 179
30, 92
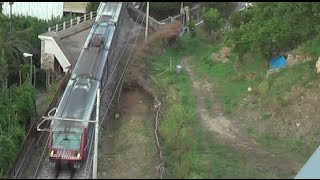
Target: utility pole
29, 55
30, 70
182, 17
96, 139
147, 22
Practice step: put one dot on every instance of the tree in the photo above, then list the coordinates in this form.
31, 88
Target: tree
212, 19
241, 17
272, 27
92, 6
224, 8
11, 49
1, 3
239, 40
15, 111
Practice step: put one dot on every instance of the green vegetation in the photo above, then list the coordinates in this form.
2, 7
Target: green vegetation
273, 27
16, 108
92, 6
256, 35
192, 29
180, 130
17, 103
212, 20
232, 83
162, 10
312, 47
189, 152
225, 8
22, 25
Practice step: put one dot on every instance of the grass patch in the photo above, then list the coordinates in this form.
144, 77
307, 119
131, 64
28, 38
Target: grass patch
133, 144
300, 74
189, 152
232, 84
287, 147
312, 47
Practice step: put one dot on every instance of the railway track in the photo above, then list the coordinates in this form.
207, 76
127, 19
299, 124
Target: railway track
46, 170
43, 168
62, 173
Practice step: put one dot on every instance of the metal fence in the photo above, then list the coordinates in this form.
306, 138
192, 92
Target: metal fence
72, 22
194, 15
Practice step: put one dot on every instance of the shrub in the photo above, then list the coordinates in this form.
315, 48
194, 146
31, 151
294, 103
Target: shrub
164, 38
192, 29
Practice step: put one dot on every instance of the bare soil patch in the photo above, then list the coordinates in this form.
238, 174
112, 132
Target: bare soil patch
131, 150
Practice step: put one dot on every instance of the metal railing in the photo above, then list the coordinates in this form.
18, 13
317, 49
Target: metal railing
72, 22
194, 16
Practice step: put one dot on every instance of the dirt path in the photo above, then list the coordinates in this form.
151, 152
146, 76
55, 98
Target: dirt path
228, 132
131, 150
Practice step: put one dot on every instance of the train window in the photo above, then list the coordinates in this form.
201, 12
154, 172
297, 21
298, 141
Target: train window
70, 140
108, 38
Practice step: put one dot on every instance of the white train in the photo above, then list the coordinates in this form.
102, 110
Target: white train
69, 140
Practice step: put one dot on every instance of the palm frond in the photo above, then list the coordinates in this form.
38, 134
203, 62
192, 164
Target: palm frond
13, 46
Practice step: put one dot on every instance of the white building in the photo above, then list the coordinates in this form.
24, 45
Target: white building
45, 10
40, 10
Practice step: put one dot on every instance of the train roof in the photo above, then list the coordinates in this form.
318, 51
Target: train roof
79, 97
92, 60
110, 10
77, 102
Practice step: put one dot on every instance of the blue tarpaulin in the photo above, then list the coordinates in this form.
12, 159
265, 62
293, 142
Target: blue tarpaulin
278, 62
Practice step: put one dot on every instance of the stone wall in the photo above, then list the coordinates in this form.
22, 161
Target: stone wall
47, 62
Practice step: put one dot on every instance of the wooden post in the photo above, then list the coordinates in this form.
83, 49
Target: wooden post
20, 76
34, 82
49, 29
31, 70
84, 17
182, 14
64, 25
78, 20
91, 15
57, 26
71, 22
46, 79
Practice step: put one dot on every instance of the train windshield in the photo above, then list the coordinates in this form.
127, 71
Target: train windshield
67, 139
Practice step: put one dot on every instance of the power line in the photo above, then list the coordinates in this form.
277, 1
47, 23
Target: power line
105, 86
124, 70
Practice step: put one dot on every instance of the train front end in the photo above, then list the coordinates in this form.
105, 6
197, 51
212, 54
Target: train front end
67, 146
